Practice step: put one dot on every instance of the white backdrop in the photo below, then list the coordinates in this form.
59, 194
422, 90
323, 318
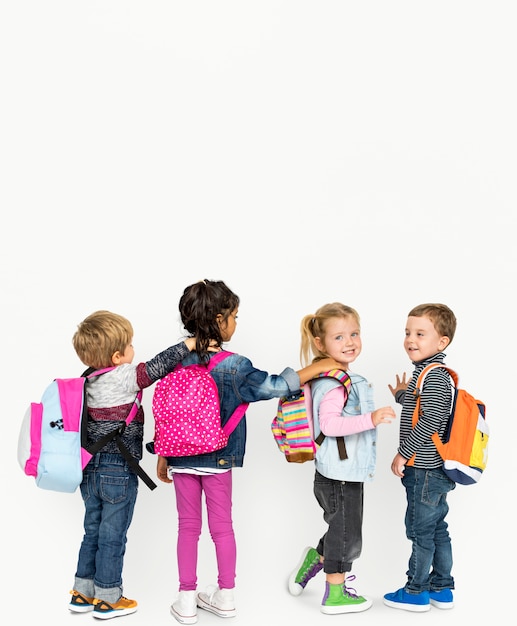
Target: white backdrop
303, 152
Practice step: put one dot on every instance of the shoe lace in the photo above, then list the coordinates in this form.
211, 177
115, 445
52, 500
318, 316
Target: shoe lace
311, 571
349, 591
211, 590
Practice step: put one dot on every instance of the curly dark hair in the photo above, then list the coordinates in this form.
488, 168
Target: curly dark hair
199, 307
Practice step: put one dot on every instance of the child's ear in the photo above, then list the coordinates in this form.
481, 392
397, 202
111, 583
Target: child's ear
319, 344
116, 358
443, 343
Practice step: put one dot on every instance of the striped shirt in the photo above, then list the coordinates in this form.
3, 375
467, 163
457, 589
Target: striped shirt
435, 406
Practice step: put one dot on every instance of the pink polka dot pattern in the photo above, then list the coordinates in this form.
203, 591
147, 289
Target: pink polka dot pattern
186, 414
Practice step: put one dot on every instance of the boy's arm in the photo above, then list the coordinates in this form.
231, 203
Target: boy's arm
398, 464
163, 363
399, 391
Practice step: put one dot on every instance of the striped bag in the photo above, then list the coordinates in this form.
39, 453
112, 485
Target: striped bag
292, 426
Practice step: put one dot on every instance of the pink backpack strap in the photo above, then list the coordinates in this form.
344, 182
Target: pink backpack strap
235, 418
134, 409
239, 412
99, 372
217, 358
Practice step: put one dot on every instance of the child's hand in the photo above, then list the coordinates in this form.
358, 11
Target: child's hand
319, 367
398, 464
161, 470
385, 415
329, 364
401, 384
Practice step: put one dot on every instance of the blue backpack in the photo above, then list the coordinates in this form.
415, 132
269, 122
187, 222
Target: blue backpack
52, 440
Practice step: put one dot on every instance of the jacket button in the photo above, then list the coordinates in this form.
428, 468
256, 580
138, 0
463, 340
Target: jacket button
222, 462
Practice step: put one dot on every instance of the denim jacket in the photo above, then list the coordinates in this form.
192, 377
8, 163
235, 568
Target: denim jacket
361, 447
237, 382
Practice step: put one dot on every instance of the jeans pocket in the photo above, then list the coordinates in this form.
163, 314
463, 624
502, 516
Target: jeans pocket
113, 489
436, 486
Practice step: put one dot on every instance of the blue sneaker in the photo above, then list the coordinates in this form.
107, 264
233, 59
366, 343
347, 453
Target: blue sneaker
442, 599
401, 599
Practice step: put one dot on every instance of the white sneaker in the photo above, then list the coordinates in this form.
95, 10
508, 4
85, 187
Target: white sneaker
218, 601
184, 609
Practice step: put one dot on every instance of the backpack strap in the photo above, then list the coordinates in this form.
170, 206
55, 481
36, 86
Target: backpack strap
345, 379
341, 447
239, 412
217, 358
420, 380
420, 385
132, 462
117, 433
418, 392
235, 418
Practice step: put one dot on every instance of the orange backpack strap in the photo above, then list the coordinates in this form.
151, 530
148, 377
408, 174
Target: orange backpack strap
418, 391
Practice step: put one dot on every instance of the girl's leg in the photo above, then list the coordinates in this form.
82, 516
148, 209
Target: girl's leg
188, 503
218, 494
342, 504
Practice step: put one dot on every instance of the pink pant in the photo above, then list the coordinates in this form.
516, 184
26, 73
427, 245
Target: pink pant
218, 496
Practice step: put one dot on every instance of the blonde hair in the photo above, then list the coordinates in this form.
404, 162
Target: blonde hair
314, 326
443, 319
99, 336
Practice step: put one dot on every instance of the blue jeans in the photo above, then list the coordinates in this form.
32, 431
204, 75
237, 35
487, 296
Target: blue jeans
109, 489
342, 504
430, 563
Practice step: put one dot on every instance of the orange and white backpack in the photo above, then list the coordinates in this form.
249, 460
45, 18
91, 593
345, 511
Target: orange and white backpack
464, 448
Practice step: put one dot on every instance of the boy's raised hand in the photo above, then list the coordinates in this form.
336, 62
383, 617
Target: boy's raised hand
401, 384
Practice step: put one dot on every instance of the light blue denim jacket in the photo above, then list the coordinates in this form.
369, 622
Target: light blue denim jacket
237, 382
361, 447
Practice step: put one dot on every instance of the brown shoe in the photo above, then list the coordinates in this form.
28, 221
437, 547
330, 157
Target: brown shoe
80, 603
105, 610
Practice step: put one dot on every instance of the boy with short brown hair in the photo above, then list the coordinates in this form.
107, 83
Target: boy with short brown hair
430, 329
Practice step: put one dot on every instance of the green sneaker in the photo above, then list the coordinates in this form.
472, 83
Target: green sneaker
340, 599
308, 566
